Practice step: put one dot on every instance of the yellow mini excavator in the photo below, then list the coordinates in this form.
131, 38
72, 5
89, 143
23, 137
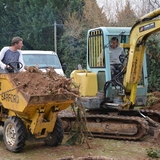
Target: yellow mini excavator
114, 104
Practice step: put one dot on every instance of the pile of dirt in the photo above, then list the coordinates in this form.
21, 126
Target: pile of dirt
36, 82
153, 100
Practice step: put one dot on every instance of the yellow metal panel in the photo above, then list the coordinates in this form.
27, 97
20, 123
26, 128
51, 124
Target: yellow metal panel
40, 127
133, 93
11, 98
151, 15
87, 82
124, 45
94, 48
137, 48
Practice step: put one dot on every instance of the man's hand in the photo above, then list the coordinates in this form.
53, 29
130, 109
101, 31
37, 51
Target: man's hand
7, 66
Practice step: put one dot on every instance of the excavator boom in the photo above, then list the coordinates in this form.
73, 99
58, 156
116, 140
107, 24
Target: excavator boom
137, 45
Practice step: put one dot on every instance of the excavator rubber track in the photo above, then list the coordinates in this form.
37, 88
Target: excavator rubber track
111, 126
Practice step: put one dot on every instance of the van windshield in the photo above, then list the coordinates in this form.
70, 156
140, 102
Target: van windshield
42, 60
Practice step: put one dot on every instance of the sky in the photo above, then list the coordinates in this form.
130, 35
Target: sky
136, 5
133, 2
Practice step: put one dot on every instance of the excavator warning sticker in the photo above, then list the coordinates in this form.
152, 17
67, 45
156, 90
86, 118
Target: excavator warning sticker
146, 27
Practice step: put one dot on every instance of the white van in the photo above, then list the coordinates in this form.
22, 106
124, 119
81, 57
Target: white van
42, 59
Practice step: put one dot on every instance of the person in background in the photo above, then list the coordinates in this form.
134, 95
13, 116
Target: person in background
115, 52
12, 54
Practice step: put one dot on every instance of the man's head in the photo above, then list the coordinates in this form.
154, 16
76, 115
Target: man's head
17, 42
114, 42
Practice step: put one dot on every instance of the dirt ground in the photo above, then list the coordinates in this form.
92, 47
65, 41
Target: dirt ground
153, 100
101, 149
34, 82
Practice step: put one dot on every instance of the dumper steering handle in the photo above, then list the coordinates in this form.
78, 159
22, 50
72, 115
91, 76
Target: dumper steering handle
14, 66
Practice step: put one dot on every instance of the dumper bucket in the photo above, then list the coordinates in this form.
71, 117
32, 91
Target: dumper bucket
36, 97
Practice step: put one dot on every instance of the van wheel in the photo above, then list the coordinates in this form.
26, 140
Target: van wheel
14, 134
54, 138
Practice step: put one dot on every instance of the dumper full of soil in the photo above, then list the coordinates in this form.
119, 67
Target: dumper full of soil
31, 89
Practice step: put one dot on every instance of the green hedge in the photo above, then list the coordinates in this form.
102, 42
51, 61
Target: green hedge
153, 63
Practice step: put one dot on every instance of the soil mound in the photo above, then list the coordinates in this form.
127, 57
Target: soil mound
36, 82
153, 100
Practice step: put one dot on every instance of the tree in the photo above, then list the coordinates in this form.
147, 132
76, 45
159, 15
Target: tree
125, 17
33, 20
153, 62
94, 16
36, 23
154, 4
8, 22
73, 44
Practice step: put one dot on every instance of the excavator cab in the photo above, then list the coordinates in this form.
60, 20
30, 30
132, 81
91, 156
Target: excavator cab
98, 61
96, 83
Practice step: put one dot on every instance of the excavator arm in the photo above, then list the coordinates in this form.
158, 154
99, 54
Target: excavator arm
142, 29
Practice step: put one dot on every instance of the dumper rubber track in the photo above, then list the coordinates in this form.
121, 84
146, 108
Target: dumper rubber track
114, 127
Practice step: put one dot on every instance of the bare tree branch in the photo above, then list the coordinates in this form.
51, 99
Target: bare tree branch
154, 4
